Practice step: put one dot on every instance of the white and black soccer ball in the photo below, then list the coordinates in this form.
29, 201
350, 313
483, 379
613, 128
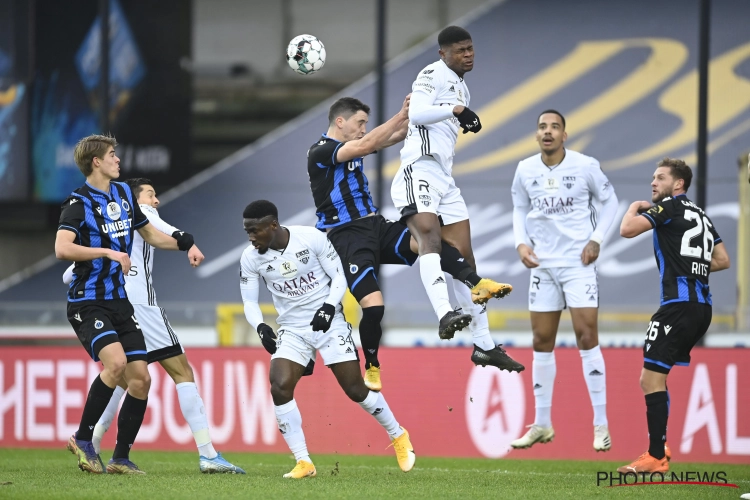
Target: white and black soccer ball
305, 54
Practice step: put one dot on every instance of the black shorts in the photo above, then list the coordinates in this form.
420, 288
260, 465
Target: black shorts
99, 323
366, 243
672, 333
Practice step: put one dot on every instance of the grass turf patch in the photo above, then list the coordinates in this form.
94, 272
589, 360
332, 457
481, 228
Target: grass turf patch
54, 474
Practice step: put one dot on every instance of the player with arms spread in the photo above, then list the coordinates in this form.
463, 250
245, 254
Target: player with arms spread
96, 231
162, 343
303, 272
425, 193
558, 233
364, 239
687, 248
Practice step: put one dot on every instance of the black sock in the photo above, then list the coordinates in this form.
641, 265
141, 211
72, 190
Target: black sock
96, 403
128, 424
657, 412
370, 332
453, 263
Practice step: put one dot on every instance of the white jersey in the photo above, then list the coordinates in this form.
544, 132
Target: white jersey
443, 87
138, 282
561, 216
299, 277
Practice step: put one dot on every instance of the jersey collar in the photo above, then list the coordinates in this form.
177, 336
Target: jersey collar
325, 136
92, 188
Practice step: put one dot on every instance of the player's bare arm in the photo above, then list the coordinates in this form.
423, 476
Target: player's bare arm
632, 225
398, 136
377, 138
67, 249
719, 258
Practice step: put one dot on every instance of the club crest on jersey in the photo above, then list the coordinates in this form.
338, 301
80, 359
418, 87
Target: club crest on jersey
353, 268
98, 324
303, 256
125, 205
426, 200
288, 269
569, 181
551, 185
113, 210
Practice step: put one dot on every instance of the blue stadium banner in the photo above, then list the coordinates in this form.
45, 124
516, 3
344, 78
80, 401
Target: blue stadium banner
13, 111
152, 128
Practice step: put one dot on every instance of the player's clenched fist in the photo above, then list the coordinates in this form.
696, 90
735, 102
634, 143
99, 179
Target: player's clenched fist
323, 318
195, 256
267, 338
469, 121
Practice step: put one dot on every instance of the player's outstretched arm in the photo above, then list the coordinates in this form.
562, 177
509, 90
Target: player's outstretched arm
67, 249
377, 138
719, 258
632, 224
195, 256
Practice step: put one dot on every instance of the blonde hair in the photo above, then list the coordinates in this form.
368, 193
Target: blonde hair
88, 148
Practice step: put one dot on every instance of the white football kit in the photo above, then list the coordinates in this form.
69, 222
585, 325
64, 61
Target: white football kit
161, 340
424, 182
554, 214
301, 277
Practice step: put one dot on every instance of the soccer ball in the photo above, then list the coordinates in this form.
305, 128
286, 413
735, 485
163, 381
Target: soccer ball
305, 54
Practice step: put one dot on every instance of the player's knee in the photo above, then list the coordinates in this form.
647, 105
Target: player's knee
116, 367
373, 314
281, 391
140, 384
356, 391
588, 338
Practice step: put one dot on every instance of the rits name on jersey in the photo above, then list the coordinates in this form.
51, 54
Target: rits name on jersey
551, 205
700, 269
298, 286
120, 225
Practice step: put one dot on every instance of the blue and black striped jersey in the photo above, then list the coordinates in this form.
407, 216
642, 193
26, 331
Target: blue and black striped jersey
101, 220
684, 239
340, 190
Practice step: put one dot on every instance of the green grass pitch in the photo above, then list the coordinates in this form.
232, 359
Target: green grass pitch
30, 474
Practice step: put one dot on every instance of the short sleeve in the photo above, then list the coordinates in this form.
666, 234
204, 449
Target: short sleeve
139, 218
518, 191
248, 275
714, 233
324, 155
72, 215
599, 185
661, 213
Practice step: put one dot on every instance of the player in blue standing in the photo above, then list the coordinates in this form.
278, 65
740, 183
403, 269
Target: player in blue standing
687, 248
96, 228
364, 239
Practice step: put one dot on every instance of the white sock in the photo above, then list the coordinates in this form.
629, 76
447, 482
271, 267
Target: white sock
289, 420
480, 325
194, 412
375, 405
543, 373
596, 380
107, 418
433, 280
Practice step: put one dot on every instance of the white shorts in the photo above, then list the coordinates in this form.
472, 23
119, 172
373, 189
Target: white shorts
555, 288
161, 341
335, 346
423, 186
